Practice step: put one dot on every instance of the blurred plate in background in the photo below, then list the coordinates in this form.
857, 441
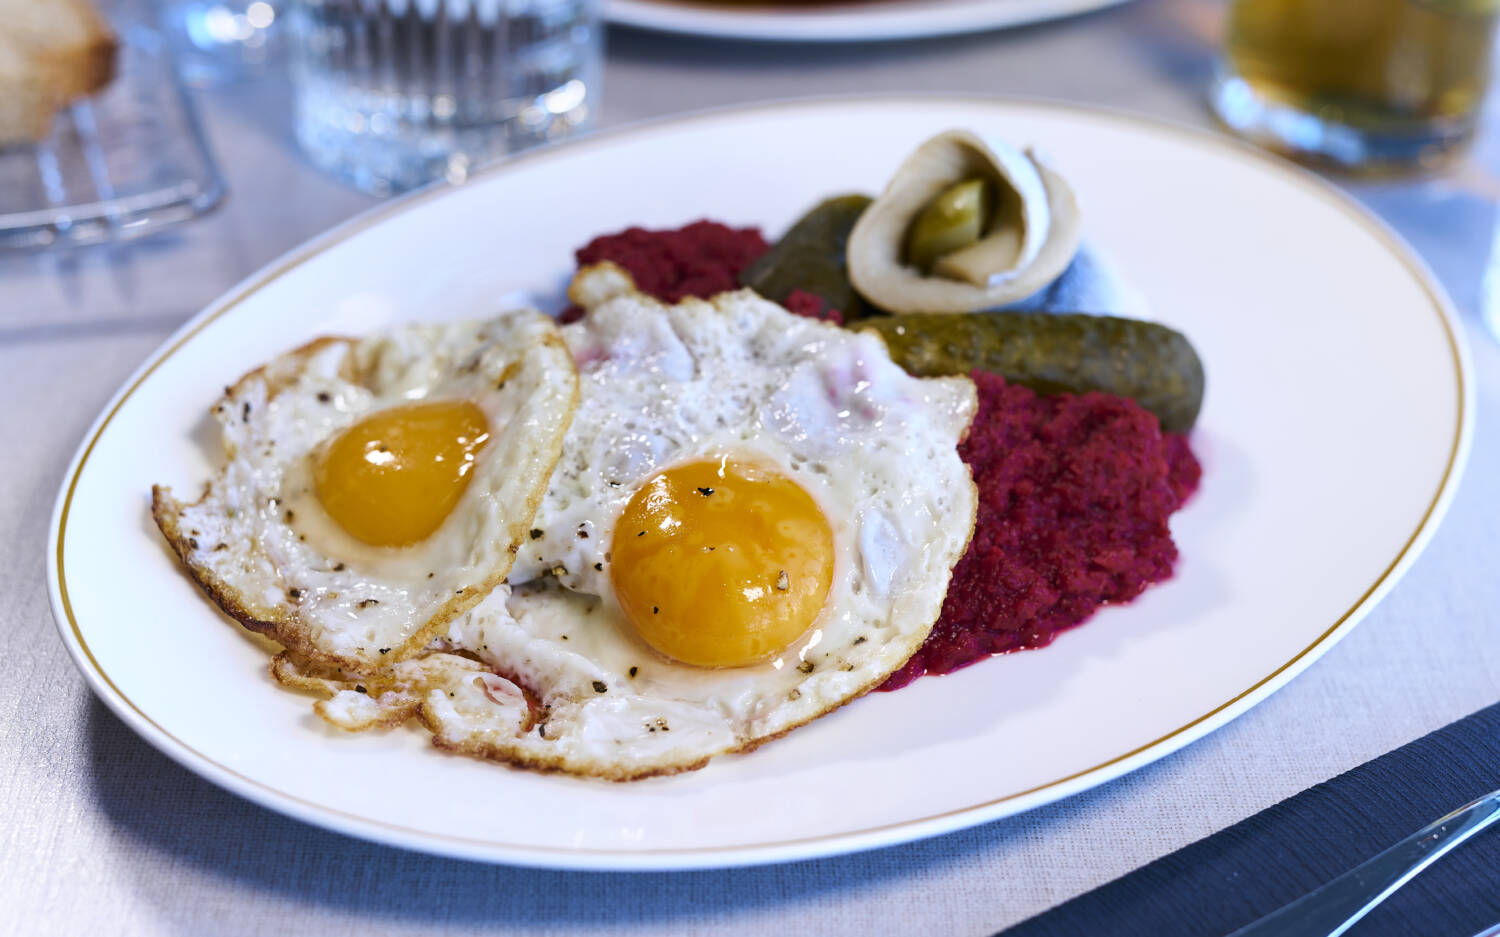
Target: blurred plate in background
847, 21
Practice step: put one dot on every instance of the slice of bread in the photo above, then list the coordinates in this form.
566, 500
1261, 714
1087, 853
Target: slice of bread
26, 106
51, 53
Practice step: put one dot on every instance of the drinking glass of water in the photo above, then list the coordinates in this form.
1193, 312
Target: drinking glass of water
392, 94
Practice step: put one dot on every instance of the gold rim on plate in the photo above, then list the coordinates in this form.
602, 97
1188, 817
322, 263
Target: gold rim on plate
359, 825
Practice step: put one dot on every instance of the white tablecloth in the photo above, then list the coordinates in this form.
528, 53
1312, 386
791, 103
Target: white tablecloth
99, 834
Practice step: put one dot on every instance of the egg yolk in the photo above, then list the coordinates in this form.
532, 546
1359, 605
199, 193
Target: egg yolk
392, 478
722, 563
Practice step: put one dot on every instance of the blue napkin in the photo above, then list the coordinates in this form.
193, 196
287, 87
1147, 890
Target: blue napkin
1227, 880
1092, 284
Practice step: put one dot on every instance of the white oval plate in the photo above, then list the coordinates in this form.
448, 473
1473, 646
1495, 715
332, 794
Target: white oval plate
841, 22
1333, 433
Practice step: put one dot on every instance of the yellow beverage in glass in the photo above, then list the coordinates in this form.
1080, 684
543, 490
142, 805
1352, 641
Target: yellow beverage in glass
1364, 84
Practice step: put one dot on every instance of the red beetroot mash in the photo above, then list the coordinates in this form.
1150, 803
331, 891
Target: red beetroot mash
701, 259
1074, 496
812, 306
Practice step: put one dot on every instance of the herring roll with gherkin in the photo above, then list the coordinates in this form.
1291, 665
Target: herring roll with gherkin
966, 224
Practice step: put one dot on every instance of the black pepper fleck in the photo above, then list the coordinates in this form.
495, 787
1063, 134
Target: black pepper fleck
385, 650
861, 639
360, 689
289, 515
295, 593
324, 396
245, 413
599, 567
705, 492
655, 610
536, 533
641, 534
366, 603
599, 687
583, 534
339, 567
634, 671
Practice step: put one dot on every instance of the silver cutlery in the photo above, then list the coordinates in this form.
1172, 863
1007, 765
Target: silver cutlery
1334, 907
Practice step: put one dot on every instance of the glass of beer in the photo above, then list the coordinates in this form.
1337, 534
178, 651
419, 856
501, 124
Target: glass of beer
1367, 85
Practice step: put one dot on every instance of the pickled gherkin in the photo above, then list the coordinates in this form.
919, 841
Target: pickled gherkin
954, 220
1052, 353
811, 257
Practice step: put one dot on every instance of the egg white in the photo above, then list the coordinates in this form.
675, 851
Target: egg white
259, 542
569, 685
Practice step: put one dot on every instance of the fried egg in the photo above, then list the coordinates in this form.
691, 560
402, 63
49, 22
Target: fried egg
375, 489
753, 521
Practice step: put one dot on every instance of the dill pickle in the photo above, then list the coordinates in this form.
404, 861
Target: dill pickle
1052, 353
811, 257
950, 222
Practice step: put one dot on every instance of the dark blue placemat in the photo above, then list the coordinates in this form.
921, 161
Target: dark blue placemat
1223, 882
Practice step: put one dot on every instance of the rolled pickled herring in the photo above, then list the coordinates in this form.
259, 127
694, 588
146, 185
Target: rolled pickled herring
1032, 236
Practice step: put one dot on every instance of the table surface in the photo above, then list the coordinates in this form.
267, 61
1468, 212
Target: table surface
101, 834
